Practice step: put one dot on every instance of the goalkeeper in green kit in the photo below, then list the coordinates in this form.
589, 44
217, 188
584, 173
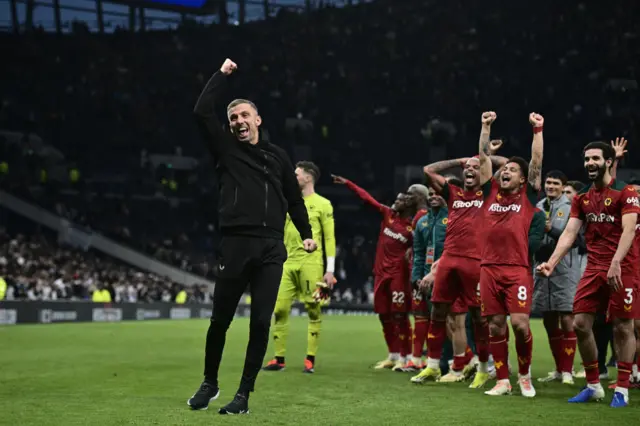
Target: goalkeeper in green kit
305, 277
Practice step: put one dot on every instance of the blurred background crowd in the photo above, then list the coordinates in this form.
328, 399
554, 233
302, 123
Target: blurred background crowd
97, 128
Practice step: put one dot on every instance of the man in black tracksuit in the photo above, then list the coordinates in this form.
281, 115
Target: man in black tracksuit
258, 187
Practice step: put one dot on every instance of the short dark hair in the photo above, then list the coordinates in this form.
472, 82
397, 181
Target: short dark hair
608, 153
524, 166
557, 174
455, 181
311, 168
234, 103
575, 184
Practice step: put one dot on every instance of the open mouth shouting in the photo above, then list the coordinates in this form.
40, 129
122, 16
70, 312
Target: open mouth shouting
505, 179
469, 177
592, 171
242, 132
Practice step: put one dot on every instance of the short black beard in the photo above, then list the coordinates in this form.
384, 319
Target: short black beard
601, 171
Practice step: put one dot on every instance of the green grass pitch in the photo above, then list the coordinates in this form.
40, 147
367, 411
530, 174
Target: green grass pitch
142, 373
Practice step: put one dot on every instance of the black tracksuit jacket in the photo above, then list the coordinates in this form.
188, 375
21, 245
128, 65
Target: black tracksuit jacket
257, 183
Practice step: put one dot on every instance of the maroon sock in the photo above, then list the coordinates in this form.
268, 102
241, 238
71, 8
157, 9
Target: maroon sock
389, 333
592, 371
568, 353
420, 330
624, 371
556, 343
403, 330
482, 341
524, 349
500, 352
435, 338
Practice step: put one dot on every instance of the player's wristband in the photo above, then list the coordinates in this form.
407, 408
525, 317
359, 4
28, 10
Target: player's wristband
331, 264
537, 130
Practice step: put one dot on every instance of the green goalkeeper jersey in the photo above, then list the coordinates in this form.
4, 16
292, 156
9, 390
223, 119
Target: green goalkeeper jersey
320, 213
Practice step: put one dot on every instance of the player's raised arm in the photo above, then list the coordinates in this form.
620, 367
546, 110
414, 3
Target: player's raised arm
329, 239
497, 161
484, 152
218, 140
620, 147
537, 147
364, 195
434, 180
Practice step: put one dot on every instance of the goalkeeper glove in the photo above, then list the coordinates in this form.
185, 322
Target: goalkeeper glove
322, 294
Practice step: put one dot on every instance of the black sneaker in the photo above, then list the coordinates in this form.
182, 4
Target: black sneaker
207, 393
239, 405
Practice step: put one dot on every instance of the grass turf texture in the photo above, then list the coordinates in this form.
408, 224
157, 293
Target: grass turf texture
142, 373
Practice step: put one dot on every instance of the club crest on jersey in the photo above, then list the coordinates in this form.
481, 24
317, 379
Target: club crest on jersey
390, 221
499, 197
495, 207
560, 213
460, 194
479, 193
600, 218
445, 221
410, 229
396, 236
459, 204
628, 308
522, 304
607, 201
586, 202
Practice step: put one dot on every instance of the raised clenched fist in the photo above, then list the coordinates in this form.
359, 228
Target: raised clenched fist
228, 67
536, 119
494, 146
488, 118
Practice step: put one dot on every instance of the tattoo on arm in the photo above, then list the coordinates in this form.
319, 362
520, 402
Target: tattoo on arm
535, 170
440, 166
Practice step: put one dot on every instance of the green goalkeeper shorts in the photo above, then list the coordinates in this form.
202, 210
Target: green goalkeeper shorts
299, 281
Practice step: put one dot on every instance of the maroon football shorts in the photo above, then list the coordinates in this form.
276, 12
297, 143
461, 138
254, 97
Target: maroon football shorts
457, 281
594, 295
505, 289
391, 295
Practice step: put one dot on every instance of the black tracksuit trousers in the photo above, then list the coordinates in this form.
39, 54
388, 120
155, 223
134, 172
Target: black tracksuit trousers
245, 261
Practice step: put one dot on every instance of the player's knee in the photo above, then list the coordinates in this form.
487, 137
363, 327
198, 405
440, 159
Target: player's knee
623, 328
566, 323
281, 312
497, 329
313, 311
520, 326
581, 326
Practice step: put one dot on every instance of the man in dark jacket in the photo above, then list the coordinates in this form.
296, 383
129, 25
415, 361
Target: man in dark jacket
258, 187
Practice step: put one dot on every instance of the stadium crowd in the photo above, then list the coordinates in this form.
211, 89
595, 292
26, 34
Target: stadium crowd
37, 267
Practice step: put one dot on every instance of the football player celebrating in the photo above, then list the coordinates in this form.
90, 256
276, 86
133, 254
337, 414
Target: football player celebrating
609, 284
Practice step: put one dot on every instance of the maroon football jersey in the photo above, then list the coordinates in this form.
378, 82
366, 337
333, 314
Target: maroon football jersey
465, 208
602, 210
396, 237
506, 222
